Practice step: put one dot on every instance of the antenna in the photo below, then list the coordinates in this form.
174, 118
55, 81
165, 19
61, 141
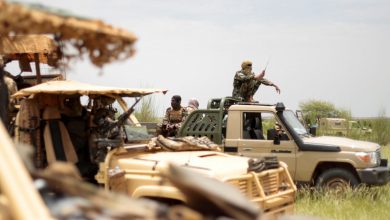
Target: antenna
266, 64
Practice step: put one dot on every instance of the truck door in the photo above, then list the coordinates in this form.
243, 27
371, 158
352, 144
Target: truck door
258, 133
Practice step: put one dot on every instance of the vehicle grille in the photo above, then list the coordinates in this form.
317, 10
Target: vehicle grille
270, 183
266, 186
378, 156
246, 186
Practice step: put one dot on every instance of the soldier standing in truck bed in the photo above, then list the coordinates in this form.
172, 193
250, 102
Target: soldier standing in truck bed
246, 83
174, 116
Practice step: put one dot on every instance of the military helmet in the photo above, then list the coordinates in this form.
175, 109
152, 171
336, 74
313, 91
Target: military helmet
105, 100
246, 63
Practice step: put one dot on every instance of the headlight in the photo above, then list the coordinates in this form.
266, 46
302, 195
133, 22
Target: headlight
368, 157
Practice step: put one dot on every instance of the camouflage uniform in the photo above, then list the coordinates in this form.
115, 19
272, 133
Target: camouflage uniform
245, 85
190, 109
12, 89
173, 120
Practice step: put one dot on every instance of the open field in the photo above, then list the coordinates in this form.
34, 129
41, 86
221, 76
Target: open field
358, 204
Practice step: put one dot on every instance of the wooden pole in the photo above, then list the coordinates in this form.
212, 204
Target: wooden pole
16, 183
3, 97
37, 68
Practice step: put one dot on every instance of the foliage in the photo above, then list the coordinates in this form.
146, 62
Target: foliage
381, 129
268, 124
147, 112
314, 109
360, 203
376, 130
380, 126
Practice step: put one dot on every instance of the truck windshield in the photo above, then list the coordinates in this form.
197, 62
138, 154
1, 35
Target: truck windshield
294, 123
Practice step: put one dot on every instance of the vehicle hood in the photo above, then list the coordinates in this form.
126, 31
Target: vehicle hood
214, 164
346, 144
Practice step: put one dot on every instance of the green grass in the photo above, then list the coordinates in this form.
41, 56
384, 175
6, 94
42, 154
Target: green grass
358, 204
147, 111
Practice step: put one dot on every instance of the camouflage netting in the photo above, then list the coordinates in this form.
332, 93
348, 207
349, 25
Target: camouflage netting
103, 43
25, 47
182, 144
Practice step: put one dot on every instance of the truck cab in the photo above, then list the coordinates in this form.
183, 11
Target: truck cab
254, 129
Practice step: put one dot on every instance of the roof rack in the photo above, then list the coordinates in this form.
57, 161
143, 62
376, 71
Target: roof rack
255, 103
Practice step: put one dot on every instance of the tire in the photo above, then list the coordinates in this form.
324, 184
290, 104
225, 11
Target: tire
337, 178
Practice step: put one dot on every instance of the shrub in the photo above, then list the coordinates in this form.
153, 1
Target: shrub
147, 112
381, 129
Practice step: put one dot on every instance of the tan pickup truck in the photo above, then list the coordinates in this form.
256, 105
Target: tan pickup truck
254, 130
116, 152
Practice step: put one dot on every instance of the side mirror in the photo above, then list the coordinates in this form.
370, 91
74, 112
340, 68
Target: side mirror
276, 140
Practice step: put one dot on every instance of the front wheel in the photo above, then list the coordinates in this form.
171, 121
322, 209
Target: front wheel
336, 178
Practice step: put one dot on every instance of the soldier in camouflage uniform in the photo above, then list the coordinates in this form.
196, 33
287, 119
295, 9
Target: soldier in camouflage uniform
12, 89
246, 83
7, 88
174, 116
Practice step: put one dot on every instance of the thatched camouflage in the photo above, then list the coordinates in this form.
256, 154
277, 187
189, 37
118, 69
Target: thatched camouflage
102, 42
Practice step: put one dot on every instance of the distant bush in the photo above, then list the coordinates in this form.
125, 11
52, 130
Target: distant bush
380, 130
314, 109
376, 130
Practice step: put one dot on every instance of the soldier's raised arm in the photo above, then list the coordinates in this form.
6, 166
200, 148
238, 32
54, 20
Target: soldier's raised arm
269, 83
260, 76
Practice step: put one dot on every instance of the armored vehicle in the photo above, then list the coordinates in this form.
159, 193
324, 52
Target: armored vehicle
58, 193
254, 129
333, 126
341, 127
116, 152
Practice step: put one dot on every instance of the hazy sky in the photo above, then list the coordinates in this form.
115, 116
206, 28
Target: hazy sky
331, 50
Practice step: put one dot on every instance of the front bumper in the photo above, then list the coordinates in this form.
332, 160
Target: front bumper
376, 175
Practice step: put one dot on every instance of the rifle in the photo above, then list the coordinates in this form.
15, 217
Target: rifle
266, 65
121, 119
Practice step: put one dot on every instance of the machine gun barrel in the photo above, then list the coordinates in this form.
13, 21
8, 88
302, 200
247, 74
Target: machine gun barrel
122, 118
